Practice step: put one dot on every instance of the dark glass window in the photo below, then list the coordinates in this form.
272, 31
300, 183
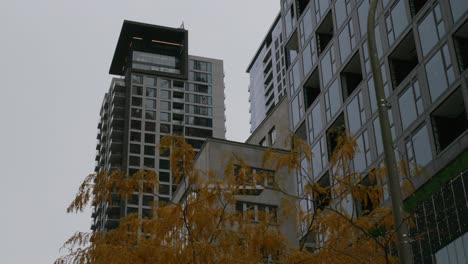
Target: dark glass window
136, 113
164, 164
149, 150
134, 161
150, 115
150, 126
165, 128
150, 92
164, 176
135, 124
150, 138
137, 90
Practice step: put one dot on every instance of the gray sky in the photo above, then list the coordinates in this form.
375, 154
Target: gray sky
54, 63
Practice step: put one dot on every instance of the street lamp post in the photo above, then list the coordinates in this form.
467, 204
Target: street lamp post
403, 241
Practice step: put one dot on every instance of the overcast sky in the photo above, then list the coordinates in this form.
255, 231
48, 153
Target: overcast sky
54, 64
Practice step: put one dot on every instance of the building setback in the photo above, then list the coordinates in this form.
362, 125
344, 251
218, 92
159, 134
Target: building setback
267, 72
160, 89
422, 50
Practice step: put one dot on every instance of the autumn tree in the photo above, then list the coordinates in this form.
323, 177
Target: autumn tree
339, 221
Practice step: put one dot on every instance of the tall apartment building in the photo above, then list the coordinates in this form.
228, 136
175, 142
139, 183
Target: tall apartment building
267, 72
160, 89
422, 47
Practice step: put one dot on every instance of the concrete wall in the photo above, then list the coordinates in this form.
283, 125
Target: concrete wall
278, 118
216, 154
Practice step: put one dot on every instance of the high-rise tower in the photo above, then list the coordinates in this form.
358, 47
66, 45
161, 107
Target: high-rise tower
160, 89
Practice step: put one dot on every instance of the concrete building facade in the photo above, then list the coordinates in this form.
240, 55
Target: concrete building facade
215, 156
422, 51
160, 90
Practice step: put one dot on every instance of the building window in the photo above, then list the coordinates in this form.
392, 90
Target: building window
134, 161
295, 77
315, 121
136, 112
135, 136
459, 7
198, 121
150, 81
356, 114
322, 200
290, 20
346, 41
164, 189
198, 99
351, 76
342, 11
303, 178
166, 117
272, 136
198, 110
449, 120
306, 26
441, 223
148, 162
254, 176
411, 104
164, 164
311, 89
431, 29
319, 157
164, 128
150, 92
439, 73
136, 101
164, 176
363, 11
137, 90
257, 212
165, 94
328, 66
309, 57
362, 156
164, 83
150, 115
297, 109
198, 132
334, 132
332, 100
135, 148
263, 142
150, 138
396, 22
149, 150
165, 106
201, 65
416, 6
418, 148
321, 7
137, 79
198, 88
461, 42
324, 33
200, 77
150, 126
301, 6
135, 124
150, 104
403, 59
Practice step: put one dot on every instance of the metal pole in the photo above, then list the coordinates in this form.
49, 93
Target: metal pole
403, 242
